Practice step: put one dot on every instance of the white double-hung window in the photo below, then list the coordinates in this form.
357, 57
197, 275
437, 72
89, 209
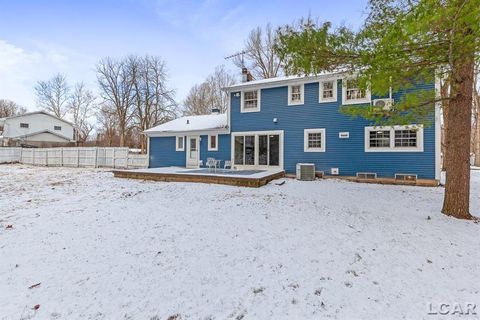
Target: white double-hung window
180, 143
250, 101
314, 140
328, 91
295, 94
213, 142
352, 94
394, 139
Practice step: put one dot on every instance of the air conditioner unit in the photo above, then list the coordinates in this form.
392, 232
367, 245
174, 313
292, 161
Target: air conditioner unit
305, 171
383, 104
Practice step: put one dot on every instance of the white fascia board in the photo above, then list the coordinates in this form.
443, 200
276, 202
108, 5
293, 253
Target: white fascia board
284, 82
187, 133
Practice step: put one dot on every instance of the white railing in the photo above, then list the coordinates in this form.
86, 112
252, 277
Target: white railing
94, 157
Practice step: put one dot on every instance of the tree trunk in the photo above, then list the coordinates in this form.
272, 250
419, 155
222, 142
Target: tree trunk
477, 141
477, 126
457, 155
444, 95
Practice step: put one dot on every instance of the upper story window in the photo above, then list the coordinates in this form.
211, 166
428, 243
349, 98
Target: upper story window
328, 91
314, 140
58, 128
295, 94
394, 139
250, 101
353, 94
24, 125
213, 142
180, 143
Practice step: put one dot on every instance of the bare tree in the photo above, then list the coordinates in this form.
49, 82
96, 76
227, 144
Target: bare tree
199, 100
10, 108
209, 94
117, 91
259, 55
52, 95
154, 102
81, 106
107, 126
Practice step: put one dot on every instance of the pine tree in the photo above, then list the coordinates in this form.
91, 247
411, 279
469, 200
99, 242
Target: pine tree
401, 44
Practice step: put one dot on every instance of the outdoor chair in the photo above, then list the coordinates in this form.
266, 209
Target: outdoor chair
228, 164
211, 163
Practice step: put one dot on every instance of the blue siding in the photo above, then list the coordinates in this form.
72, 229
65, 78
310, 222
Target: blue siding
162, 153
223, 152
346, 154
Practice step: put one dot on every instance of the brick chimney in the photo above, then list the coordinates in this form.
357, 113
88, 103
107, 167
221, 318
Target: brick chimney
246, 75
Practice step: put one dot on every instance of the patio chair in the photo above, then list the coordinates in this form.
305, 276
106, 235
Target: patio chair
228, 164
211, 163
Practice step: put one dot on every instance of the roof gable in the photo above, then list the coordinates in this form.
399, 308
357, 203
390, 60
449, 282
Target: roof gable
39, 112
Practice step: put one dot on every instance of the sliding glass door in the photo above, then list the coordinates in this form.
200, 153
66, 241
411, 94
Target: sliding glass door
257, 149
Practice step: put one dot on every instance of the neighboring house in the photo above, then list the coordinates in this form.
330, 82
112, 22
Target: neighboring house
35, 129
279, 122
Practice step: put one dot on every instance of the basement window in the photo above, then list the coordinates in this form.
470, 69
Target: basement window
180, 143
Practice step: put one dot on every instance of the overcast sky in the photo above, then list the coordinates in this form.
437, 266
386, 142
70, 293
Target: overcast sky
39, 38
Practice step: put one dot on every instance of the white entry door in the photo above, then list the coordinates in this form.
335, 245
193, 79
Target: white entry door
193, 151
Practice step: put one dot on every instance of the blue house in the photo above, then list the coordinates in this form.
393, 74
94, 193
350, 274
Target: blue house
277, 123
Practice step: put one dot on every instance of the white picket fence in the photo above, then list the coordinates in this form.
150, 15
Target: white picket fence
94, 157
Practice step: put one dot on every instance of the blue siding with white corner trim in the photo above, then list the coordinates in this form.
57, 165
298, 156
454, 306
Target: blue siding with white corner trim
162, 151
346, 154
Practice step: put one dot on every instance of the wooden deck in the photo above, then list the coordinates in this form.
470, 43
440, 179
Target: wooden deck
253, 181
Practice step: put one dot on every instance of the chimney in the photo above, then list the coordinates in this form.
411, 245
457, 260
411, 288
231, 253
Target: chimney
245, 74
216, 110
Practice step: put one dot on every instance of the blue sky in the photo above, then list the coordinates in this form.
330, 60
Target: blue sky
39, 38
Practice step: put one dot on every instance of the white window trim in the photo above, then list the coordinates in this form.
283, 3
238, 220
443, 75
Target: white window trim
257, 109
305, 140
392, 148
209, 142
176, 143
320, 93
302, 94
367, 99
256, 134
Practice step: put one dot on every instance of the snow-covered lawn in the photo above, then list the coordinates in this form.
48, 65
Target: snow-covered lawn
107, 248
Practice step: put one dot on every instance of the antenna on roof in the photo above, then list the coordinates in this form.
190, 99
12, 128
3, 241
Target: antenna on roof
241, 53
246, 75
